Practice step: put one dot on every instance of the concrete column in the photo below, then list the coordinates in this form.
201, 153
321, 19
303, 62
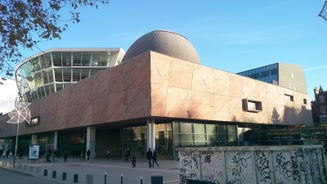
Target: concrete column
90, 141
150, 134
153, 135
34, 139
55, 140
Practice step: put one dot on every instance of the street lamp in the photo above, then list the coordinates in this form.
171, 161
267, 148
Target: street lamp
20, 114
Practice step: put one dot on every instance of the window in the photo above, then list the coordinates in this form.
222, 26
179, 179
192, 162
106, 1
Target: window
305, 101
251, 105
288, 97
323, 109
323, 119
34, 121
321, 99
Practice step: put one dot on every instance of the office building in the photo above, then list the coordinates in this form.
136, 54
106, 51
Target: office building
290, 76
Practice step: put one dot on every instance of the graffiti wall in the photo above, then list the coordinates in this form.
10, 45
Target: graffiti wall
301, 164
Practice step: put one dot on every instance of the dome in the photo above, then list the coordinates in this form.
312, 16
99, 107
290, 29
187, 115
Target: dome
164, 42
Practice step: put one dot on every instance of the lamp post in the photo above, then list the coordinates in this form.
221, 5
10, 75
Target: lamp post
20, 114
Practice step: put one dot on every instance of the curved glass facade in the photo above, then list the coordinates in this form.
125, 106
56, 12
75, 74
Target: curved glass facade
55, 69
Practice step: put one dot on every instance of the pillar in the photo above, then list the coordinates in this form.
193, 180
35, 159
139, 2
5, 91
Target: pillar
150, 134
55, 140
90, 141
34, 139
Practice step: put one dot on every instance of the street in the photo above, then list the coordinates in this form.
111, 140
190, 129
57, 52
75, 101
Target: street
14, 177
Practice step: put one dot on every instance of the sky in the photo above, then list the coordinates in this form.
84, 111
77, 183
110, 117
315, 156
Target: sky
229, 35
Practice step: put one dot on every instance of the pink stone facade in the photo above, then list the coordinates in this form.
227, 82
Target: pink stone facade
180, 89
153, 85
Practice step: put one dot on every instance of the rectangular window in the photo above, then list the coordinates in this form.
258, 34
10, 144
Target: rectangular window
34, 121
323, 119
288, 97
251, 105
305, 101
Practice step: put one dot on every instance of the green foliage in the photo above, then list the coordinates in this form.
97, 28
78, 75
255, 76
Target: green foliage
24, 23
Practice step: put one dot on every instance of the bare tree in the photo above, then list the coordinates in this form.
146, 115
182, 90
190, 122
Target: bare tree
24, 23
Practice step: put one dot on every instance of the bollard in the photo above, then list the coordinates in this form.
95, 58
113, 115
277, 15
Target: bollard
38, 170
64, 176
89, 179
156, 179
121, 179
75, 178
105, 177
45, 172
54, 174
141, 180
31, 168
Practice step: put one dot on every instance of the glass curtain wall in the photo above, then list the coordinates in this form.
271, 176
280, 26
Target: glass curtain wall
53, 71
193, 134
267, 73
46, 143
72, 143
134, 139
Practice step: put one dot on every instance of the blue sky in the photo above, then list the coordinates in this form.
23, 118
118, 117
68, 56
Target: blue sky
230, 35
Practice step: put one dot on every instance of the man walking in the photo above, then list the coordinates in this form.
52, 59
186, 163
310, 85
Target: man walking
154, 158
149, 156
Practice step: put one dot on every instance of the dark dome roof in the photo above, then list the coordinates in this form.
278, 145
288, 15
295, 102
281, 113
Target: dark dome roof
164, 42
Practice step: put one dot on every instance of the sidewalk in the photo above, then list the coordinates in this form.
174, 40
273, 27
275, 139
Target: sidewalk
96, 169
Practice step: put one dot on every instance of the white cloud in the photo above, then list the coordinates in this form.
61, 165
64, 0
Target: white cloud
315, 68
8, 94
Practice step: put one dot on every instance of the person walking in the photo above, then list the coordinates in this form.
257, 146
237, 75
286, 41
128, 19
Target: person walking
154, 158
149, 156
133, 159
88, 153
108, 153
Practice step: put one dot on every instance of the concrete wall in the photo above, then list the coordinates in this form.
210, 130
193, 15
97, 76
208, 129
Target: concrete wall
261, 165
292, 76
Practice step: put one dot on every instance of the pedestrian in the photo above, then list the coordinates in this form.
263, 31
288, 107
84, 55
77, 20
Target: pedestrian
133, 159
127, 154
108, 153
149, 156
65, 156
154, 158
4, 154
88, 153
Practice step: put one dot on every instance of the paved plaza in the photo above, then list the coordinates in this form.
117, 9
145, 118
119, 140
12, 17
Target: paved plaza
115, 171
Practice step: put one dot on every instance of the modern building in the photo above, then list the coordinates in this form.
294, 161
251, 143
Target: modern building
159, 97
55, 69
290, 76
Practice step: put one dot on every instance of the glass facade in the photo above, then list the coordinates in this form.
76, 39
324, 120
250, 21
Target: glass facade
267, 73
56, 69
192, 134
178, 134
287, 136
134, 139
168, 136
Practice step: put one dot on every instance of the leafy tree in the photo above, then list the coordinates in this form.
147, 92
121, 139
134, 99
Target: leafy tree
24, 23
